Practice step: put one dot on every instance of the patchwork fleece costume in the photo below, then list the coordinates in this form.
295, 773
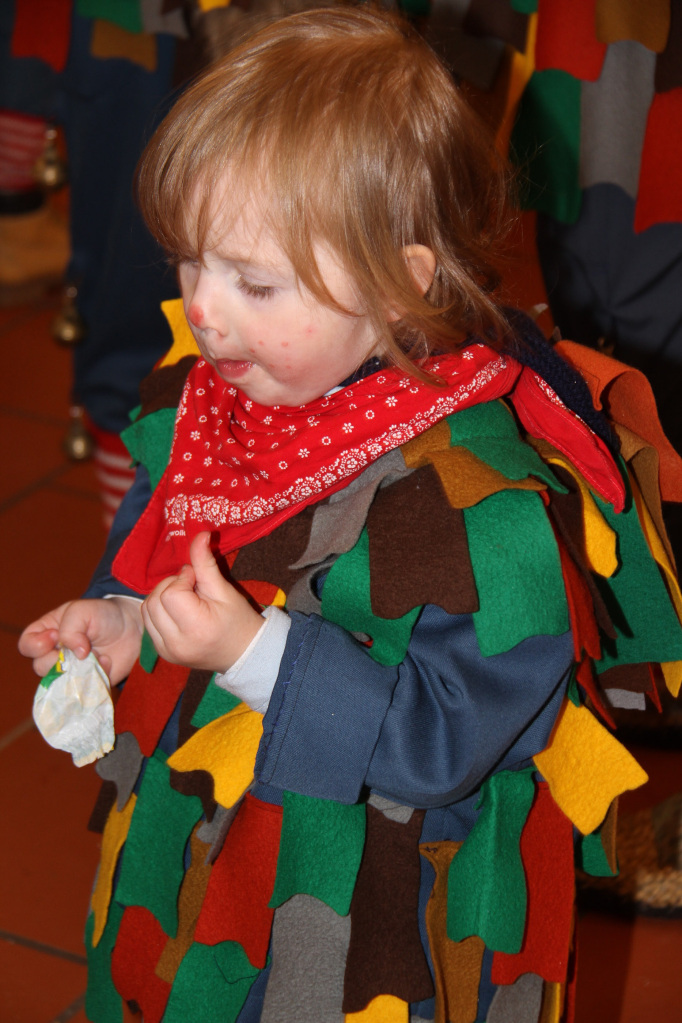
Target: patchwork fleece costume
473, 580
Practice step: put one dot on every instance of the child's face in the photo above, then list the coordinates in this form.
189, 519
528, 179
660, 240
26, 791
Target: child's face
260, 329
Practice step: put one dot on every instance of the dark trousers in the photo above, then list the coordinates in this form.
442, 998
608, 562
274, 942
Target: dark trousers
109, 109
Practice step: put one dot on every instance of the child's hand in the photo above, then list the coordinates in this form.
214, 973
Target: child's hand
111, 629
197, 617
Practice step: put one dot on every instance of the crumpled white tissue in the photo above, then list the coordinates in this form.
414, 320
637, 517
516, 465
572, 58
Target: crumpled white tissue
73, 710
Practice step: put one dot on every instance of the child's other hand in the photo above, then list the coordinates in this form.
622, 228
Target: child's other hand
197, 617
111, 629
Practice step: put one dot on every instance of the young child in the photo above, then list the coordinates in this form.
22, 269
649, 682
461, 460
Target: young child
395, 571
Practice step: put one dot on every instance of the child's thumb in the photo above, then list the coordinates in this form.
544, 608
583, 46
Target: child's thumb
208, 576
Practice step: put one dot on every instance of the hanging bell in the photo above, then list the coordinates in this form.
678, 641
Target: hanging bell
50, 168
78, 443
68, 326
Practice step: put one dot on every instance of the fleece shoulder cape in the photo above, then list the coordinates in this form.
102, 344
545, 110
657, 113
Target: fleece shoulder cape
226, 893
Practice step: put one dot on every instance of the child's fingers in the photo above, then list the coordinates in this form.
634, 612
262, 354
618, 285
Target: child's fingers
34, 642
74, 631
209, 579
41, 665
105, 663
169, 600
76, 640
166, 610
150, 617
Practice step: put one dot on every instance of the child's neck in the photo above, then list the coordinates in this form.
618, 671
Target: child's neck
371, 366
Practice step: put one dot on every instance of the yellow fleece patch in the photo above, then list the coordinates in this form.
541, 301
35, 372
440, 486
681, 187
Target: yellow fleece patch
657, 549
183, 339
226, 748
115, 833
552, 997
209, 5
586, 767
600, 538
672, 670
382, 1009
522, 67
672, 673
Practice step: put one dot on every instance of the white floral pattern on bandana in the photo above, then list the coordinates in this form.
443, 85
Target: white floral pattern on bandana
388, 410
267, 464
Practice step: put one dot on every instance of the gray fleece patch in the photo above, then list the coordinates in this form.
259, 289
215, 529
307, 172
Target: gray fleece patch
309, 948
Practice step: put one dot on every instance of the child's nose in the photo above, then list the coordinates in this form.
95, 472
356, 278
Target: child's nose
206, 307
196, 316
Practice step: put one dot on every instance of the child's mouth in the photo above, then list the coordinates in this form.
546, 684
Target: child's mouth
232, 369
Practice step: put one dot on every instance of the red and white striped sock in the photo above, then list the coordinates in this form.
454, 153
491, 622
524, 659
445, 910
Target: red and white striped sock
113, 469
22, 141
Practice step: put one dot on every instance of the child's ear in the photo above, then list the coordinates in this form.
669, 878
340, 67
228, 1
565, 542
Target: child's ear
421, 264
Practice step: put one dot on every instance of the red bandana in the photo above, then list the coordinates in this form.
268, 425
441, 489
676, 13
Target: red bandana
241, 469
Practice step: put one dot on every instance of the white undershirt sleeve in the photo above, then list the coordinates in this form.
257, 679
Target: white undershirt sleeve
252, 678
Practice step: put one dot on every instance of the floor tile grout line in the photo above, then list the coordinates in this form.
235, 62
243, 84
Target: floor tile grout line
15, 733
29, 491
15, 630
35, 417
70, 1011
39, 946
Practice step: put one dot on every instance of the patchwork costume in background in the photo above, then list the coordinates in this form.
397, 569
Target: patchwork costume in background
593, 89
473, 580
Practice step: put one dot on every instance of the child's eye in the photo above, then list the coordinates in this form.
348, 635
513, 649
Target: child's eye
255, 290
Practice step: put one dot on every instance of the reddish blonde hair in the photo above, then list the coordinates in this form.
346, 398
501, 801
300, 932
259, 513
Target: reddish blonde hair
365, 144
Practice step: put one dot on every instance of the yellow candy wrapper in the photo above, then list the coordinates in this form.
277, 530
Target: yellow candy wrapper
73, 710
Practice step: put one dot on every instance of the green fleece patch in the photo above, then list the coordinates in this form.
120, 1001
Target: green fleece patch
517, 569
320, 851
591, 856
152, 865
489, 432
636, 597
486, 881
149, 441
125, 13
148, 654
215, 703
572, 691
102, 1000
211, 985
545, 143
346, 601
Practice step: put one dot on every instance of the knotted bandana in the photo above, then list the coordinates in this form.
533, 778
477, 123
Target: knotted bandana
240, 469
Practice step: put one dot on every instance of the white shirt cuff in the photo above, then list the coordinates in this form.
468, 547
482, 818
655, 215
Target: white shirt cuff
252, 678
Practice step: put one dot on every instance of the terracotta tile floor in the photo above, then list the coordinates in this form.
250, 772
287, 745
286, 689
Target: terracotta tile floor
50, 537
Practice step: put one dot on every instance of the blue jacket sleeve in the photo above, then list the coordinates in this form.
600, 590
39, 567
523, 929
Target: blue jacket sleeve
426, 732
129, 511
